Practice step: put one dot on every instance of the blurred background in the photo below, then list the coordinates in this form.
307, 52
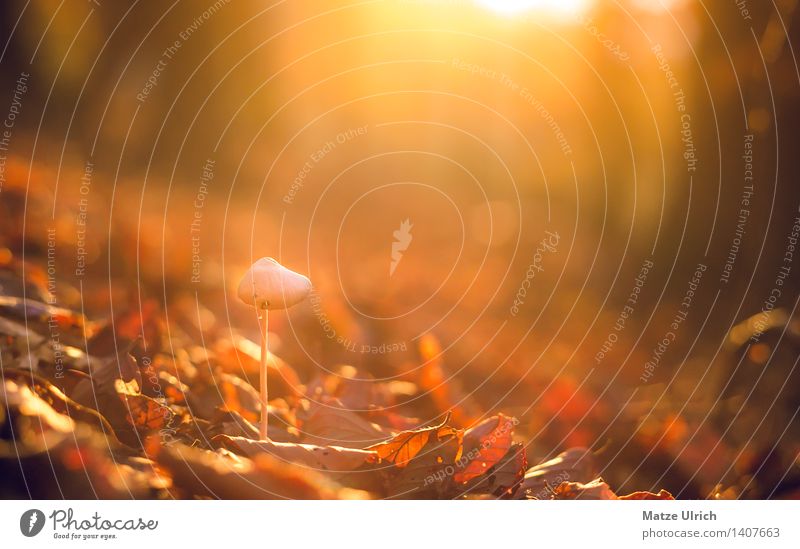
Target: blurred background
554, 162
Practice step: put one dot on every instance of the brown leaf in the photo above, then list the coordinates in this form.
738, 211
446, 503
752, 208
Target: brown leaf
403, 447
144, 413
576, 465
138, 322
596, 489
103, 375
485, 445
222, 475
662, 494
56, 398
25, 404
53, 457
225, 391
429, 475
328, 423
78, 466
242, 357
502, 480
232, 424
329, 459
38, 317
120, 403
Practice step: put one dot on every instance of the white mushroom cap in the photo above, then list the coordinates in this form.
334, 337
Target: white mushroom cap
269, 285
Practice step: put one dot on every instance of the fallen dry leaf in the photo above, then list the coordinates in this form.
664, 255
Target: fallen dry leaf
232, 424
138, 323
224, 391
596, 489
485, 445
403, 447
241, 357
662, 494
145, 413
429, 474
502, 480
329, 459
19, 399
222, 475
576, 465
328, 423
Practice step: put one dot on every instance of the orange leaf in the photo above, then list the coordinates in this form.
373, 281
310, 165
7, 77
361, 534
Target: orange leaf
145, 413
488, 442
401, 449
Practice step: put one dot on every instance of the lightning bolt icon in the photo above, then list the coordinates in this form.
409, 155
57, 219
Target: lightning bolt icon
34, 519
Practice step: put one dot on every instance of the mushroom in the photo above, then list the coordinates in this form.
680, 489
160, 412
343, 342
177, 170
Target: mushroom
268, 285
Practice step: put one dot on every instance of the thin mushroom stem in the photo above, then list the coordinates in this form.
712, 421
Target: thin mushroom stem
269, 285
263, 374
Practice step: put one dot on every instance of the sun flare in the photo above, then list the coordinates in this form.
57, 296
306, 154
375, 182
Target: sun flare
514, 7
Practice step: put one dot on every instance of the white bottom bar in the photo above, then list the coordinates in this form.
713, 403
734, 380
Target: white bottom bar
401, 524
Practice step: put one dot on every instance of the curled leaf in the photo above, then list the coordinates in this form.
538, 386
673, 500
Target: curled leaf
662, 494
222, 475
596, 489
485, 445
403, 447
331, 459
574, 465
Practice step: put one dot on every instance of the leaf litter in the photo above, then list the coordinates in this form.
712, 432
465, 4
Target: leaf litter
132, 407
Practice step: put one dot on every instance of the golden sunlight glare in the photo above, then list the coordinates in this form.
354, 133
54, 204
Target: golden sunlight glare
513, 7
